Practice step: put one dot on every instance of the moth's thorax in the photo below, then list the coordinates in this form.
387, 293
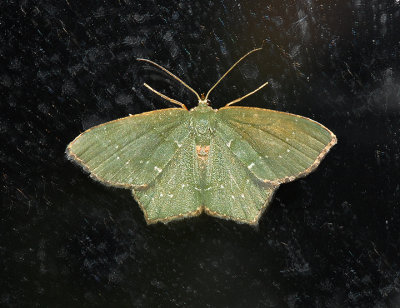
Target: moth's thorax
202, 120
202, 106
202, 125
203, 102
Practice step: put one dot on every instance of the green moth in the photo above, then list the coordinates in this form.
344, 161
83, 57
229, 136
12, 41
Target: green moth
179, 163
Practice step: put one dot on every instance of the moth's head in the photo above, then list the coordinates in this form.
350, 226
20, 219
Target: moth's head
203, 101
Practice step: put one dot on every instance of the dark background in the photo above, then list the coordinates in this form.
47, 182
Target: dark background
328, 240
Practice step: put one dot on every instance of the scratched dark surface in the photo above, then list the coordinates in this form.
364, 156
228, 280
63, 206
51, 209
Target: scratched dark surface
328, 240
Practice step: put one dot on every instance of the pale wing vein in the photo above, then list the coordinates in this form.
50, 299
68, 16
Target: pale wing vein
130, 142
230, 150
114, 132
284, 141
239, 163
172, 156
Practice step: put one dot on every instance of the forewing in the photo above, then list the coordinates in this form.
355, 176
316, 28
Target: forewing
131, 151
175, 193
233, 192
277, 147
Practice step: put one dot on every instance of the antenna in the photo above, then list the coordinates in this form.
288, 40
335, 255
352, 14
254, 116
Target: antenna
174, 101
248, 94
169, 73
202, 98
236, 63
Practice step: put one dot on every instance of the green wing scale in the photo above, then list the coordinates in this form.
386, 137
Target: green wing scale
174, 193
277, 147
132, 151
232, 191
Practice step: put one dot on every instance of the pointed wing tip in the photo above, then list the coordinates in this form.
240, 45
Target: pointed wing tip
334, 139
71, 156
310, 169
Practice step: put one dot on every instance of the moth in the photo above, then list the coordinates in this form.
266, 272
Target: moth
226, 162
